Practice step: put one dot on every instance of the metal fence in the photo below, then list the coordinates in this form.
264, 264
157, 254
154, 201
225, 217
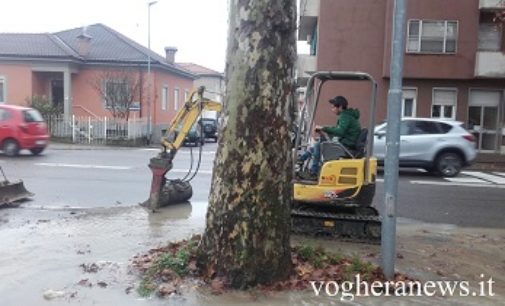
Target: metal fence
93, 130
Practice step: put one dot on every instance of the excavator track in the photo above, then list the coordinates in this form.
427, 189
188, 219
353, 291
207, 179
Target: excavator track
360, 227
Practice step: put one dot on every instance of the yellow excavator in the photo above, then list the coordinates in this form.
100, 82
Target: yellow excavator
163, 191
337, 204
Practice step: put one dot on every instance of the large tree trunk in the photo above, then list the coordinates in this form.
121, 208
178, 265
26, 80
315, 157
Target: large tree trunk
246, 239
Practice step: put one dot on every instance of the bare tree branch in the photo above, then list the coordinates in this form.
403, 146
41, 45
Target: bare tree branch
119, 89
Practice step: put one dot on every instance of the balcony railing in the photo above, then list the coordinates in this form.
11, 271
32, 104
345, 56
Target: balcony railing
309, 12
490, 64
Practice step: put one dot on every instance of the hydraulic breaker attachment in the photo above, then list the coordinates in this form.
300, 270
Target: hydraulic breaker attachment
159, 166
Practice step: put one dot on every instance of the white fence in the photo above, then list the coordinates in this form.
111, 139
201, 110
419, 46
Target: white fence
92, 130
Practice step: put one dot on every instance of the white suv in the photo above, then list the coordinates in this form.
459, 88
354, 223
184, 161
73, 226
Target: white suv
439, 146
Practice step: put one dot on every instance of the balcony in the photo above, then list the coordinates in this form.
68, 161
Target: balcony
491, 4
309, 12
490, 64
305, 63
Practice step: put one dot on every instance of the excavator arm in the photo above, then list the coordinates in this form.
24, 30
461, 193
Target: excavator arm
186, 117
173, 140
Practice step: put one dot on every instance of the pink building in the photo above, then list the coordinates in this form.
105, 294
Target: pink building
67, 66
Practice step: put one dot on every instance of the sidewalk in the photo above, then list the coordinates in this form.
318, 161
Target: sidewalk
489, 161
46, 250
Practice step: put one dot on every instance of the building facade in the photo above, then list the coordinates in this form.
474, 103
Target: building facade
213, 82
74, 69
454, 65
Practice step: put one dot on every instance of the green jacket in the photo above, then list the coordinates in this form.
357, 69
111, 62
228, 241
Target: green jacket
347, 128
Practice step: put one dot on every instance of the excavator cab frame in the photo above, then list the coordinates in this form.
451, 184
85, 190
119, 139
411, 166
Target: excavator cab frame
338, 202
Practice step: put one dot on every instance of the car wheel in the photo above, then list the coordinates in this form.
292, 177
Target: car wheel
36, 151
449, 164
11, 147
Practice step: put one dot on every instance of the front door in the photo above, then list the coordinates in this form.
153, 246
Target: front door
484, 117
57, 93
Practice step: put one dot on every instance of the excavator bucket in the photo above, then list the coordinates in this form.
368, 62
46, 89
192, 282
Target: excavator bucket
11, 192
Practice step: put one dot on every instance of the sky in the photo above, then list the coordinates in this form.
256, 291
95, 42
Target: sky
197, 28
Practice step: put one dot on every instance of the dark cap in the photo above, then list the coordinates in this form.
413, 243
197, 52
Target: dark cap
339, 101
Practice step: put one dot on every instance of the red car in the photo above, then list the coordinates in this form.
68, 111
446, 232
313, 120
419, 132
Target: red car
22, 128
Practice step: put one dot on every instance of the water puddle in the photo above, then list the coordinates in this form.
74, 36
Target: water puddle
82, 256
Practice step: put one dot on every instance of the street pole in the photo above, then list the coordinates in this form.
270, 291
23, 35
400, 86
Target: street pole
388, 245
149, 122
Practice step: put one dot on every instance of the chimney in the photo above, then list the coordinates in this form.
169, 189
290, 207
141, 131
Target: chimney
84, 42
170, 54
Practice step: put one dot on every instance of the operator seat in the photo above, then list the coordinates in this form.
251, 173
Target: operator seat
333, 150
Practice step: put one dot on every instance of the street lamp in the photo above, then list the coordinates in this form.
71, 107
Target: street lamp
149, 123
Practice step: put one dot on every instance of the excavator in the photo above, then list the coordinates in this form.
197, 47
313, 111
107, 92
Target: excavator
337, 204
163, 191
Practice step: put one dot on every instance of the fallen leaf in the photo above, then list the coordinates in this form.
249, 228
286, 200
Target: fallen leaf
85, 282
217, 286
192, 266
166, 289
102, 284
304, 269
90, 268
317, 274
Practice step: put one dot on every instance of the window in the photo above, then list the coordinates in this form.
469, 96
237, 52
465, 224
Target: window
444, 103
409, 102
490, 37
424, 127
32, 115
2, 89
117, 94
4, 115
176, 99
432, 36
164, 98
313, 42
186, 95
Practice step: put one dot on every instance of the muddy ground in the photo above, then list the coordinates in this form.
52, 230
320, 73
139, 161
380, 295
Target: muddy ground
81, 257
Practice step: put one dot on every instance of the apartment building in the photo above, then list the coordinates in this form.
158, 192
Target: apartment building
454, 66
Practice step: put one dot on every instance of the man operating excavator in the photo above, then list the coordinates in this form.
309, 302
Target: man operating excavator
347, 130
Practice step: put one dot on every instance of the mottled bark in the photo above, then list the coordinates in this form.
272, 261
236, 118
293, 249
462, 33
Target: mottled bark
246, 240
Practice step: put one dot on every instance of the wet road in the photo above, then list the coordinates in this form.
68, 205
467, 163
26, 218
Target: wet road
45, 241
82, 177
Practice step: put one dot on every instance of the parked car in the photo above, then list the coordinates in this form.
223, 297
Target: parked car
194, 136
439, 146
22, 128
209, 127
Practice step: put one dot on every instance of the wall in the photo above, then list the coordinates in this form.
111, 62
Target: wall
351, 38
442, 66
163, 117
19, 82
